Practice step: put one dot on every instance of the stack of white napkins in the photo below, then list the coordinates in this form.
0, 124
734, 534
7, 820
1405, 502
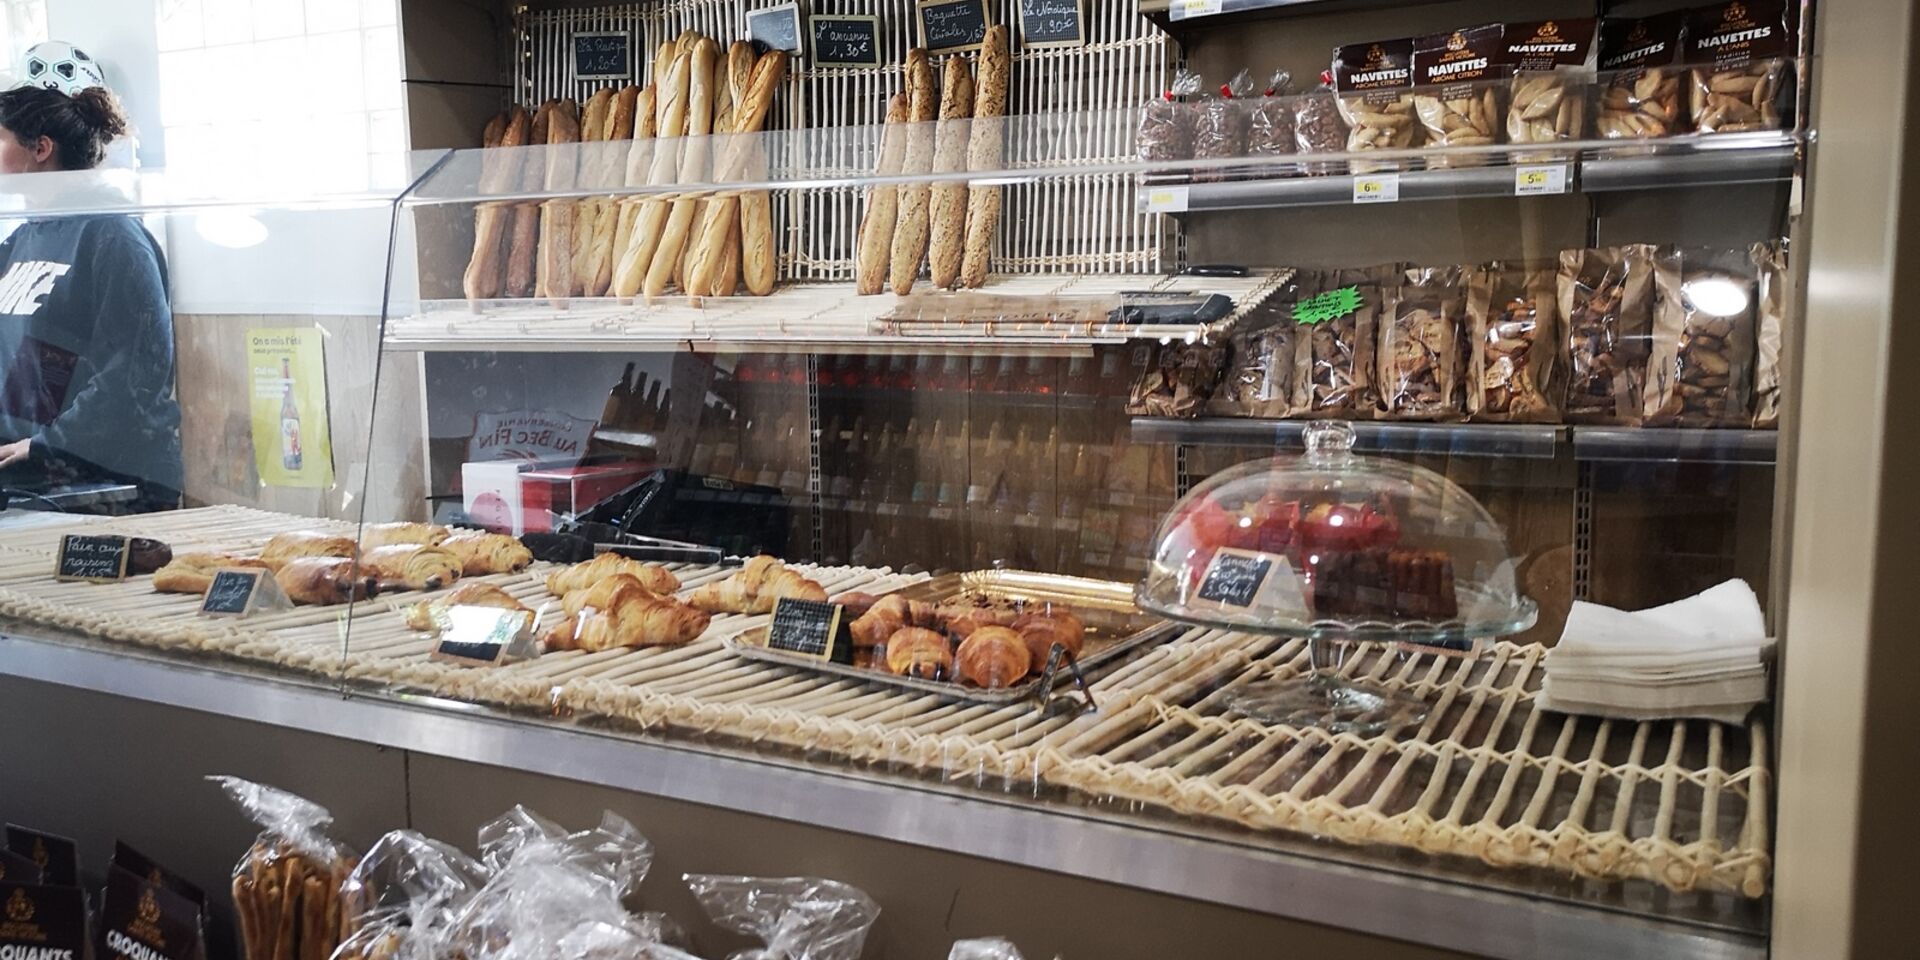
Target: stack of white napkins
1704, 657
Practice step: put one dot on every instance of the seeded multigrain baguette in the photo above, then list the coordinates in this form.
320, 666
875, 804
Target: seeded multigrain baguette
983, 153
883, 201
948, 245
555, 270
671, 124
910, 227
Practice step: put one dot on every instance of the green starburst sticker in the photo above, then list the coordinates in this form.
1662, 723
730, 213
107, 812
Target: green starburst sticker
1331, 305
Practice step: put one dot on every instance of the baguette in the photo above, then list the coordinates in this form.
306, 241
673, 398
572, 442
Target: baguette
693, 164
626, 211
983, 153
554, 272
726, 281
883, 202
949, 218
754, 212
485, 270
732, 77
523, 244
593, 129
670, 124
910, 227
598, 265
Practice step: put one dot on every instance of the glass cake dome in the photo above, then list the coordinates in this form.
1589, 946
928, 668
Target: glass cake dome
1332, 546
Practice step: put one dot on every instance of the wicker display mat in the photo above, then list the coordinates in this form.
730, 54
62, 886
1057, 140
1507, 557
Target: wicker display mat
1679, 803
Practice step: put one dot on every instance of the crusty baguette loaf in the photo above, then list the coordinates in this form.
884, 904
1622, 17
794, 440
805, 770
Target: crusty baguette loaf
732, 75
486, 269
883, 201
726, 281
693, 168
910, 227
755, 232
593, 129
983, 153
554, 278
948, 221
523, 247
597, 276
670, 110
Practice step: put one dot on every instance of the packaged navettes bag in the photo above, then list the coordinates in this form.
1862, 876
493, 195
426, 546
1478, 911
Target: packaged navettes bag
1640, 77
1457, 98
1739, 53
1548, 102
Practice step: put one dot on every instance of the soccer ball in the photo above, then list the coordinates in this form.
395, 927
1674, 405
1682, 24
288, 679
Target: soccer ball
58, 65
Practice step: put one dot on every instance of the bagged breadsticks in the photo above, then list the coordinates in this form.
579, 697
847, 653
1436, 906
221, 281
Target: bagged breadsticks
1270, 119
1375, 86
1606, 305
1335, 337
1420, 355
1220, 124
1512, 318
1770, 261
1317, 125
795, 917
1640, 78
286, 888
1549, 60
1166, 121
1740, 52
401, 901
1460, 90
1701, 371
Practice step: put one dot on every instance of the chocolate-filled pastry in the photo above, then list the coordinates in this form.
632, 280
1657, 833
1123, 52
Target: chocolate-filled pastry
412, 567
306, 543
856, 603
993, 658
384, 534
483, 553
324, 580
918, 652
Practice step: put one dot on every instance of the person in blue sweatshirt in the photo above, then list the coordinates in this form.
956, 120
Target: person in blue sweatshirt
86, 331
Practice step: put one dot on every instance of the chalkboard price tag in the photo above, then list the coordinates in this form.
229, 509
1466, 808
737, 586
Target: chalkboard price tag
1235, 577
482, 636
809, 628
776, 28
603, 55
1053, 23
845, 41
94, 559
950, 26
240, 591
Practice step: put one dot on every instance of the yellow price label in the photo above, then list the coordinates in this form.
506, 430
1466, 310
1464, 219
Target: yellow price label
1378, 188
1171, 199
1540, 180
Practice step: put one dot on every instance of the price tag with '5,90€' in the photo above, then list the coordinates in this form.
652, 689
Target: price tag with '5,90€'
1540, 180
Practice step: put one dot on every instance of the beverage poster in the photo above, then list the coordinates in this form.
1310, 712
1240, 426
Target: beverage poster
290, 443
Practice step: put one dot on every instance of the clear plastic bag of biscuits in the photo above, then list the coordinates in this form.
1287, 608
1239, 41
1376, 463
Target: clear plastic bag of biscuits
1606, 315
1513, 373
1740, 50
1640, 86
1270, 119
286, 888
1375, 86
1220, 124
1166, 121
1460, 91
1552, 63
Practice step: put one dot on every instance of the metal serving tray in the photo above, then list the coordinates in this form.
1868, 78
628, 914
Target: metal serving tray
1115, 628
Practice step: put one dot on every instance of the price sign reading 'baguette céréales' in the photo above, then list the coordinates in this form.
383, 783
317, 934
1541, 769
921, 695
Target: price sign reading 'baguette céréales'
1053, 23
810, 628
482, 636
776, 28
845, 41
1235, 577
94, 559
603, 55
950, 26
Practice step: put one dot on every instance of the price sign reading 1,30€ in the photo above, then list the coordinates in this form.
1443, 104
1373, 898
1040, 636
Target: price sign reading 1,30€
1540, 180
1376, 188
845, 41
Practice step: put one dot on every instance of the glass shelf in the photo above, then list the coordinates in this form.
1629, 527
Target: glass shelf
1524, 440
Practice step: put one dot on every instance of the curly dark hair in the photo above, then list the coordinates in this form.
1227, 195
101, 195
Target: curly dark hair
80, 125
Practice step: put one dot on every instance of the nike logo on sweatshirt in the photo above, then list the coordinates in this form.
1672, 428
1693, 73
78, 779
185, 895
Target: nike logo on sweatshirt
27, 283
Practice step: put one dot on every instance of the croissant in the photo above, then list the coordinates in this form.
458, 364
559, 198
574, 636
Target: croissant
755, 588
636, 619
856, 603
656, 579
412, 567
473, 593
324, 580
875, 627
292, 546
993, 657
1042, 631
193, 572
383, 534
604, 595
918, 652
483, 553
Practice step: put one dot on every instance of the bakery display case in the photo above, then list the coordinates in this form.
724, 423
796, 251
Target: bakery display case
1046, 435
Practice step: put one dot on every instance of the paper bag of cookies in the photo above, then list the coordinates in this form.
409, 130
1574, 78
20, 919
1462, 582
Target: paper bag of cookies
1420, 355
1336, 335
1606, 308
1771, 330
1513, 320
1701, 372
286, 889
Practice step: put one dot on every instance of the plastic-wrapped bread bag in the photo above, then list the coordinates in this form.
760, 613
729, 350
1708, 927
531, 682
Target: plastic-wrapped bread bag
1270, 118
1739, 51
1771, 334
1606, 309
796, 918
1701, 372
1420, 355
1220, 124
1262, 365
1375, 84
1549, 60
1459, 90
402, 898
1512, 316
286, 889
985, 948
1166, 121
1317, 125
1334, 342
547, 884
1640, 78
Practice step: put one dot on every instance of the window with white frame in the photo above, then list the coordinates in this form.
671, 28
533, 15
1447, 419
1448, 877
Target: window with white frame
301, 94
23, 23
